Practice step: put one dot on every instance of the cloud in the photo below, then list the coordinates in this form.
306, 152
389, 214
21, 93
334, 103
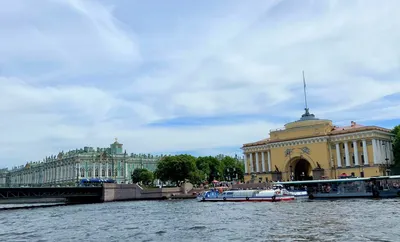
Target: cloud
54, 40
182, 77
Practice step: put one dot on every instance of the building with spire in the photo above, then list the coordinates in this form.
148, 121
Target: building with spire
313, 148
67, 168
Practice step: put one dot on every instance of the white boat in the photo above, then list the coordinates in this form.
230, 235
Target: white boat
245, 196
298, 193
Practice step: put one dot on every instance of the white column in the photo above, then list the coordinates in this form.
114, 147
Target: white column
65, 173
380, 152
79, 170
355, 148
245, 164
126, 171
338, 156
53, 174
263, 161
257, 163
94, 170
346, 150
365, 152
251, 163
375, 151
269, 161
107, 170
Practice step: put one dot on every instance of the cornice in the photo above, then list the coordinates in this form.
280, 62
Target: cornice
278, 144
377, 134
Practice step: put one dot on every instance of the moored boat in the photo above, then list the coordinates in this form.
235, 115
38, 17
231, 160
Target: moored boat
364, 187
245, 196
296, 191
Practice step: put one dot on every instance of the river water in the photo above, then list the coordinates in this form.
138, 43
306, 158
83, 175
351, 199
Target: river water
189, 220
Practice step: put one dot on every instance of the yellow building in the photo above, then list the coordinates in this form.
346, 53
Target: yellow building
312, 148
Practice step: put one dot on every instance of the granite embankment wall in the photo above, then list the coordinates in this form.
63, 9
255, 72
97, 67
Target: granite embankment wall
125, 192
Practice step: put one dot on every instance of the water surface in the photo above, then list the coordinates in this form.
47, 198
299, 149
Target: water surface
188, 220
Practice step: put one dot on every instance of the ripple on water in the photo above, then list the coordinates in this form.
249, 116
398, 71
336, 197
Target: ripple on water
350, 220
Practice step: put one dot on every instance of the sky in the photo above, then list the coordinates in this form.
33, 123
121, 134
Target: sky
197, 77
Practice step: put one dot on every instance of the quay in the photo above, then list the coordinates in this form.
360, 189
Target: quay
106, 193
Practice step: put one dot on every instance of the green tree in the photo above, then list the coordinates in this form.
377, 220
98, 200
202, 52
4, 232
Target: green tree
197, 177
232, 168
142, 175
177, 168
211, 167
396, 145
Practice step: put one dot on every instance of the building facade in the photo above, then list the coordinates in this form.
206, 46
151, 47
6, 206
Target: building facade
313, 148
4, 178
69, 167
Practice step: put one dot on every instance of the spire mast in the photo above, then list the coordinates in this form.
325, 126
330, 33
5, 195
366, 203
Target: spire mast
305, 93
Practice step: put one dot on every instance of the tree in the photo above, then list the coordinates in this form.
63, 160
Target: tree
210, 166
396, 145
142, 175
177, 168
232, 168
197, 177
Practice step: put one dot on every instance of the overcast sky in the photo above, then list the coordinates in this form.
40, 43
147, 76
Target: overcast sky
201, 77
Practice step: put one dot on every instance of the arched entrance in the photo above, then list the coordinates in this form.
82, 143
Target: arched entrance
301, 170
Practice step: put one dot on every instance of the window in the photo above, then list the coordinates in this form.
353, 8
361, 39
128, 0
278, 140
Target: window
361, 144
352, 145
362, 159
82, 171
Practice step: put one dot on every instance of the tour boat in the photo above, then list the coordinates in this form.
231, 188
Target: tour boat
364, 187
245, 196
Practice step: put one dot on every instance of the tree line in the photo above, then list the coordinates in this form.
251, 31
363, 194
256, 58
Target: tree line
197, 170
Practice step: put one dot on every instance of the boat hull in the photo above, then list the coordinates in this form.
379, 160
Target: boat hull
249, 199
381, 194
